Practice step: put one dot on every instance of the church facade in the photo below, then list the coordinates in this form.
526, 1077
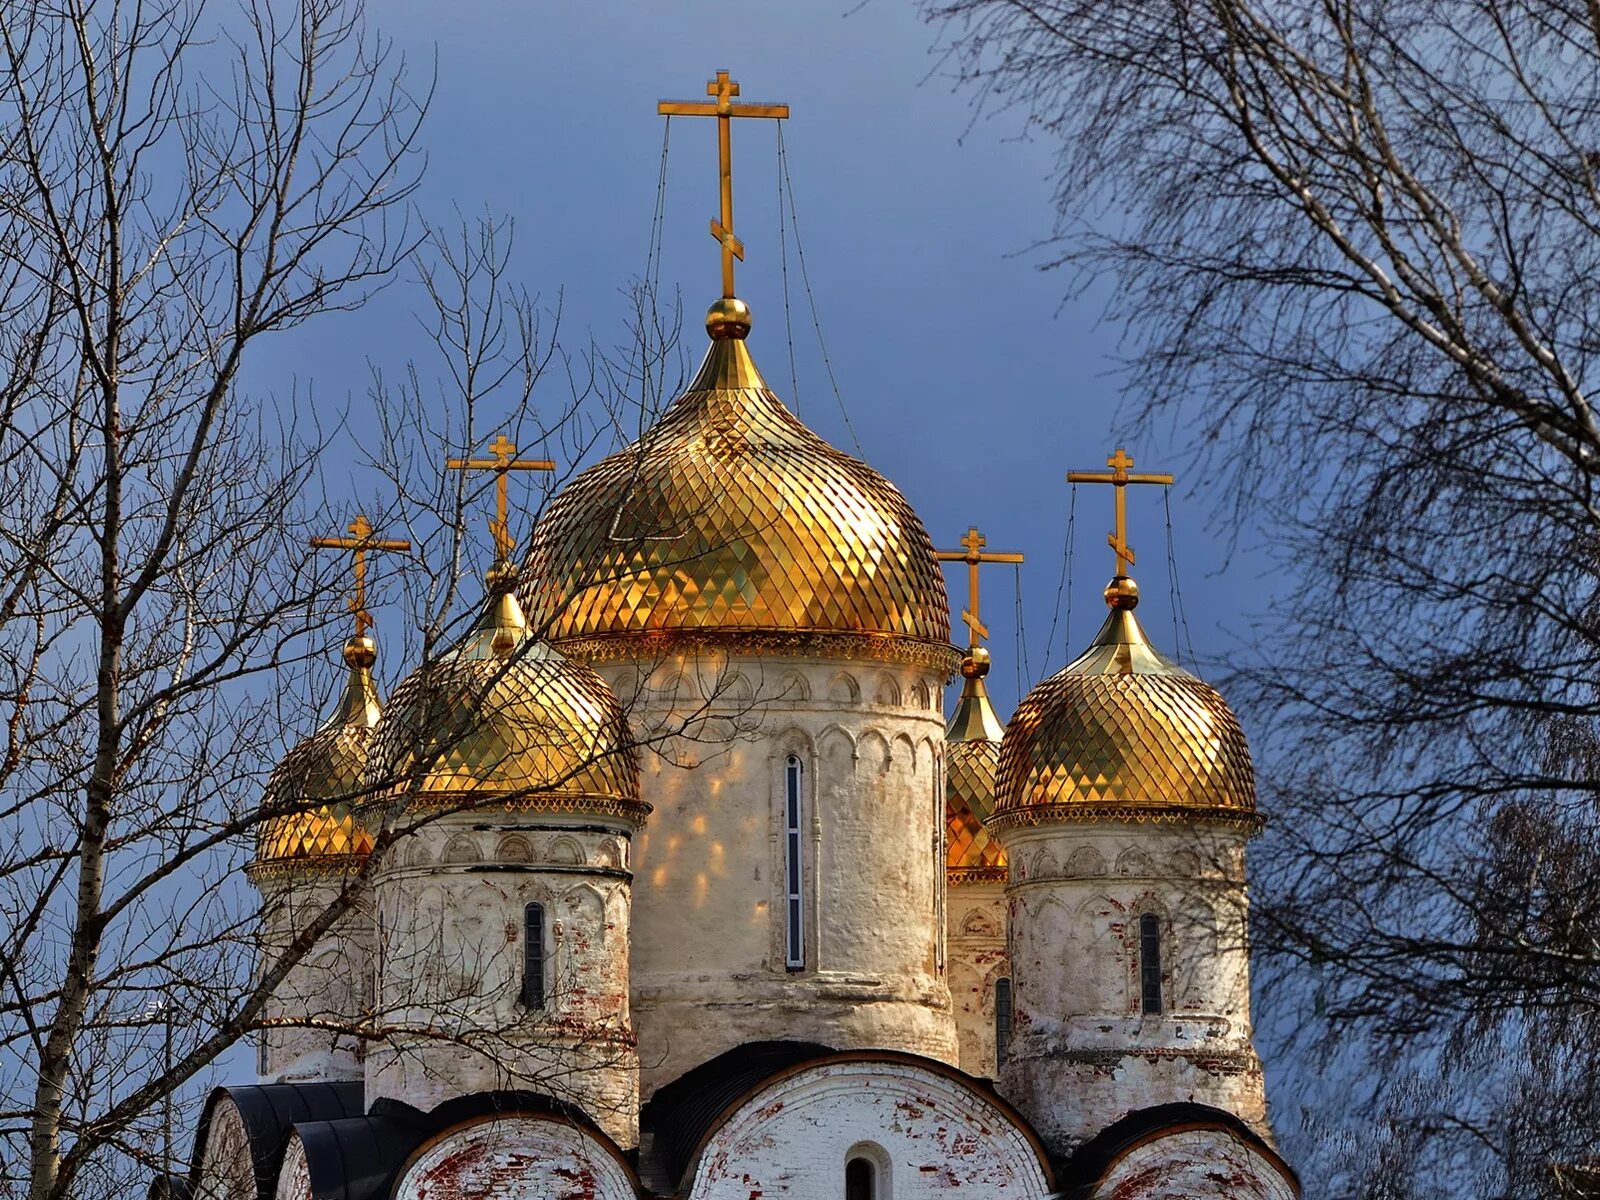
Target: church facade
699, 894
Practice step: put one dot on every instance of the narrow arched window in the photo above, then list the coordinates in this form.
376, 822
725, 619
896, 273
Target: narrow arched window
860, 1180
533, 956
1002, 1019
939, 860
793, 867
1150, 962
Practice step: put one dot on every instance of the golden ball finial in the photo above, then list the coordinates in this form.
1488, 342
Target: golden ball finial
501, 576
361, 652
976, 664
1122, 593
728, 318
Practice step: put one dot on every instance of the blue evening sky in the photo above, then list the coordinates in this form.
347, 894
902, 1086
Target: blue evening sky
970, 377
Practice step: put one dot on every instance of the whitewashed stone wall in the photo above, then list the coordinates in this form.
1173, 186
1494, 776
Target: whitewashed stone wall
331, 986
450, 947
294, 1173
516, 1158
1196, 1164
709, 950
926, 1133
978, 960
1083, 1053
225, 1172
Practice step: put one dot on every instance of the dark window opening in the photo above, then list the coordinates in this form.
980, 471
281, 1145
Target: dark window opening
860, 1180
793, 868
1002, 1019
1150, 962
533, 956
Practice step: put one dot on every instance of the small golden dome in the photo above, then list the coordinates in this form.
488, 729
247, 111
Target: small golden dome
1123, 733
504, 716
730, 519
971, 757
326, 766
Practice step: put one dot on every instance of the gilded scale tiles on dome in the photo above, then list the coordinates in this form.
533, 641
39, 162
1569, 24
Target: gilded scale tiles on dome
503, 716
329, 765
971, 762
972, 739
326, 766
730, 524
1123, 732
972, 853
731, 519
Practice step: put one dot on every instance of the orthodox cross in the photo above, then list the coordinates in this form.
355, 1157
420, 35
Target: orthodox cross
359, 543
503, 461
973, 555
724, 110
1119, 478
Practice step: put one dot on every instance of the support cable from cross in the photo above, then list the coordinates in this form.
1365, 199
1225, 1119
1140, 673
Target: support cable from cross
724, 109
974, 555
504, 460
360, 544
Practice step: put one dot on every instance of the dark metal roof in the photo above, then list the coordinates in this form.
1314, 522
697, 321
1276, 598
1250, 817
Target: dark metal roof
359, 1159
169, 1187
351, 1155
1086, 1168
460, 1109
268, 1110
356, 1157
680, 1114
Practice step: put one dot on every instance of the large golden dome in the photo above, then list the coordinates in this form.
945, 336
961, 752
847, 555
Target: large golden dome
730, 519
1123, 733
326, 766
504, 716
971, 760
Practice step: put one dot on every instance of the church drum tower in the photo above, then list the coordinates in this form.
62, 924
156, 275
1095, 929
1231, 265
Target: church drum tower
308, 852
1124, 801
770, 612
502, 920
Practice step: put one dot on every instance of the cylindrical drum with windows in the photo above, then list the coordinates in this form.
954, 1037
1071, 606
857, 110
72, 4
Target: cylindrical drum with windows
506, 776
1124, 800
770, 613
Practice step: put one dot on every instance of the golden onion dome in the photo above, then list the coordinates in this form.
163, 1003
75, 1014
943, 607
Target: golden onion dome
971, 758
1123, 733
730, 521
504, 717
327, 766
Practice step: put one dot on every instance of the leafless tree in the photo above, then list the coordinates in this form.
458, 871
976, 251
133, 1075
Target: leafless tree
178, 184
1355, 246
175, 186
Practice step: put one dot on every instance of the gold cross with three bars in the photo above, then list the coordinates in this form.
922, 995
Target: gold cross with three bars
724, 89
504, 460
974, 555
1119, 478
359, 544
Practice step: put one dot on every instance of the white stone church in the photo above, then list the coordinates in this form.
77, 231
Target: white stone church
673, 880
